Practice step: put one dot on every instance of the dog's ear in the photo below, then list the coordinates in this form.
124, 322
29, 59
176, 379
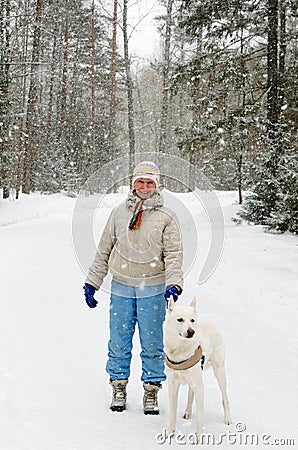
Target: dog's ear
171, 304
193, 303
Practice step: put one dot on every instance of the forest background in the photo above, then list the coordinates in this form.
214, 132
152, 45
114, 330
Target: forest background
222, 93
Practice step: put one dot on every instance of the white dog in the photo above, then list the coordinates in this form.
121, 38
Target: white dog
190, 348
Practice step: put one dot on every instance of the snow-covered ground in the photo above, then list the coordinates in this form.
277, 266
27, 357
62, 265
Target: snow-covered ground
54, 391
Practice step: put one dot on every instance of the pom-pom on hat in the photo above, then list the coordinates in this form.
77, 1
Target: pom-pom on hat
148, 170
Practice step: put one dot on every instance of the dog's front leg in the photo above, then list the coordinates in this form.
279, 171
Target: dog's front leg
187, 412
173, 388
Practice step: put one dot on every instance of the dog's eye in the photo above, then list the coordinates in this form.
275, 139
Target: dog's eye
180, 319
192, 320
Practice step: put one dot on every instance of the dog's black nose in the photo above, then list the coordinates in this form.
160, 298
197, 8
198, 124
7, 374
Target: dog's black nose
190, 332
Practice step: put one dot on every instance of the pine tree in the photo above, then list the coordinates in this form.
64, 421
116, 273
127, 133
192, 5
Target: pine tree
273, 200
285, 215
224, 78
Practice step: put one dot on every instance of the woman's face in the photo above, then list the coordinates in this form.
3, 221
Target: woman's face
144, 188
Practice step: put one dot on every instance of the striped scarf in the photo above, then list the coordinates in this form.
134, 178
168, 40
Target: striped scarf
135, 221
137, 206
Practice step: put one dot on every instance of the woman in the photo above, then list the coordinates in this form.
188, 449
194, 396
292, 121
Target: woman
141, 246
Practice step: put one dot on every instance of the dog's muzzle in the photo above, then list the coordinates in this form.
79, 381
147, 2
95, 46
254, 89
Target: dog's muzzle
190, 333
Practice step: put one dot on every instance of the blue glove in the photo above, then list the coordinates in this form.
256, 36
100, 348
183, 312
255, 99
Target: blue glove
89, 295
173, 291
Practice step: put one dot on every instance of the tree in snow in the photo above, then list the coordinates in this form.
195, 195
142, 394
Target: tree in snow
272, 201
62, 110
223, 74
7, 154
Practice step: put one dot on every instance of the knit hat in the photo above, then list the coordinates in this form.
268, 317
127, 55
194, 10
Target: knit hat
148, 170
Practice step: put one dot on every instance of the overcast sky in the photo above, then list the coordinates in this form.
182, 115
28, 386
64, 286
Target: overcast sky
144, 38
144, 41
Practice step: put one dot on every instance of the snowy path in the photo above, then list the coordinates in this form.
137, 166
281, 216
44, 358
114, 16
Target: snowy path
54, 392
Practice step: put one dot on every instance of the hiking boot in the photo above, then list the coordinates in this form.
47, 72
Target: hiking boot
119, 395
150, 403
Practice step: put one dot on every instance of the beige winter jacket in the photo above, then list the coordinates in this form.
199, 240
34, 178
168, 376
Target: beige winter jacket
148, 256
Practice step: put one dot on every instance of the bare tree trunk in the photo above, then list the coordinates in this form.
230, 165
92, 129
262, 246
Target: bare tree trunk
4, 90
51, 81
92, 126
24, 93
6, 70
64, 91
272, 68
194, 157
113, 85
129, 85
239, 170
282, 52
165, 79
32, 103
72, 100
273, 104
196, 93
242, 107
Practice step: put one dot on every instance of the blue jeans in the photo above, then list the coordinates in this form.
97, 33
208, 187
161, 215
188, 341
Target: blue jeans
145, 306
